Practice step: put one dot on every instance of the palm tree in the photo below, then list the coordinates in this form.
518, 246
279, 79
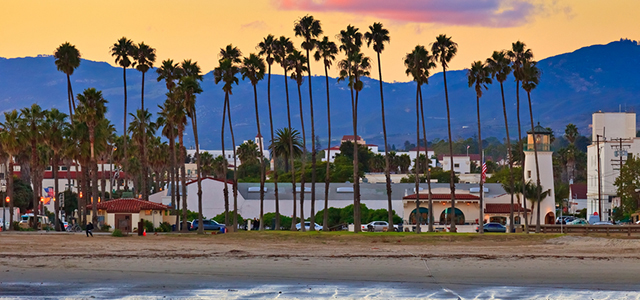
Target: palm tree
142, 129
533, 192
226, 72
298, 60
267, 49
91, 109
530, 80
418, 64
220, 167
248, 152
122, 50
189, 86
170, 72
253, 67
479, 75
571, 134
518, 55
55, 125
351, 41
327, 51
144, 56
500, 68
9, 136
309, 28
378, 36
444, 49
30, 124
281, 147
67, 60
282, 48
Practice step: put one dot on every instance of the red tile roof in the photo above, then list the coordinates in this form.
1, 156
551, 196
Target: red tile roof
128, 206
443, 196
503, 208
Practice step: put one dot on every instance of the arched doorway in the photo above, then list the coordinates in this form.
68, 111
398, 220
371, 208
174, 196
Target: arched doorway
424, 216
550, 218
445, 217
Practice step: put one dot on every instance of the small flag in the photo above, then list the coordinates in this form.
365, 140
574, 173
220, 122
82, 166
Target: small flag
484, 171
468, 147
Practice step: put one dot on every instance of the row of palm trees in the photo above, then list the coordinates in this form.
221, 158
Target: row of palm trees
183, 84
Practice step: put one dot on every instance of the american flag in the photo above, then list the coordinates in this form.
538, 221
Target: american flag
484, 170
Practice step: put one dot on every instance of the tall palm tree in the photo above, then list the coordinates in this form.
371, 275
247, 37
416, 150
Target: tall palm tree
145, 56
9, 136
267, 49
444, 49
418, 63
122, 50
378, 35
283, 46
55, 125
31, 130
253, 68
310, 28
298, 62
351, 41
189, 86
499, 65
530, 80
479, 75
67, 60
327, 51
226, 72
91, 109
518, 55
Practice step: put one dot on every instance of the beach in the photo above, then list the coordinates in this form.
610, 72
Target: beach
319, 265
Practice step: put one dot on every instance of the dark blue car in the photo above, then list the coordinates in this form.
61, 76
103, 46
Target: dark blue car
493, 227
207, 225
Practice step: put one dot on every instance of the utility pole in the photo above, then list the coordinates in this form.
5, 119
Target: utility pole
599, 178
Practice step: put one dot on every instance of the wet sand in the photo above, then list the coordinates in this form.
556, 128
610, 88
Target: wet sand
291, 265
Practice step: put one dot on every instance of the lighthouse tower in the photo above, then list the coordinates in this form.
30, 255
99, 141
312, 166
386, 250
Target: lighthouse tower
542, 138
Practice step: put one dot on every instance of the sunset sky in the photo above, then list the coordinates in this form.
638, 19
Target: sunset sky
197, 29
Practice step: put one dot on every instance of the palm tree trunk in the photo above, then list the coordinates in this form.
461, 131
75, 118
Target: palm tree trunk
427, 169
94, 192
125, 161
291, 156
183, 181
72, 105
452, 184
172, 164
481, 215
34, 182
416, 173
303, 166
255, 100
194, 124
103, 183
357, 222
535, 153
509, 162
327, 178
56, 203
10, 190
226, 165
275, 172
387, 172
312, 215
235, 172
145, 163
520, 149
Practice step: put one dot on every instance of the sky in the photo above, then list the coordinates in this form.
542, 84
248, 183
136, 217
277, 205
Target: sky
197, 29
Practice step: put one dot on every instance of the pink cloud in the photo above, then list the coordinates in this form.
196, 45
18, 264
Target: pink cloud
488, 13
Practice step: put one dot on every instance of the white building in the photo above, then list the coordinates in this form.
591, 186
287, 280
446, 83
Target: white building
542, 138
461, 163
335, 150
229, 153
611, 129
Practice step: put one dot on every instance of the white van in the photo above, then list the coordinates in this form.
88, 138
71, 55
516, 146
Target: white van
26, 221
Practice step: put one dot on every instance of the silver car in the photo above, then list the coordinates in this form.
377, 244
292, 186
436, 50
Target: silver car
378, 226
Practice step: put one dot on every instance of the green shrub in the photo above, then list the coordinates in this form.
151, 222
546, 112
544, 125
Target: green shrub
285, 222
105, 228
164, 227
220, 218
117, 233
148, 226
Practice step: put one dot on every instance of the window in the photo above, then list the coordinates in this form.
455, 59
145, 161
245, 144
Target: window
63, 168
456, 165
147, 212
529, 174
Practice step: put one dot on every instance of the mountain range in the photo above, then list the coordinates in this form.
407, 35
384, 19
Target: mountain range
572, 87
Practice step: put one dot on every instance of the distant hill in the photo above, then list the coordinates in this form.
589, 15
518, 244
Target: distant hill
573, 85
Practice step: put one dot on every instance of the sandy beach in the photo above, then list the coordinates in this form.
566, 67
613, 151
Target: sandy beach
318, 265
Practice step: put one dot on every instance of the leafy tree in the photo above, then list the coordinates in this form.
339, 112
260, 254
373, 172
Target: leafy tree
627, 184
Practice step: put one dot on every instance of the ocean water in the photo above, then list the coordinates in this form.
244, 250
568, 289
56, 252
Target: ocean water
364, 290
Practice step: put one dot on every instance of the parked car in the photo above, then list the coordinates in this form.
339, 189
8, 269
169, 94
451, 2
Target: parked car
602, 223
493, 227
207, 225
578, 222
26, 221
307, 226
565, 219
378, 226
